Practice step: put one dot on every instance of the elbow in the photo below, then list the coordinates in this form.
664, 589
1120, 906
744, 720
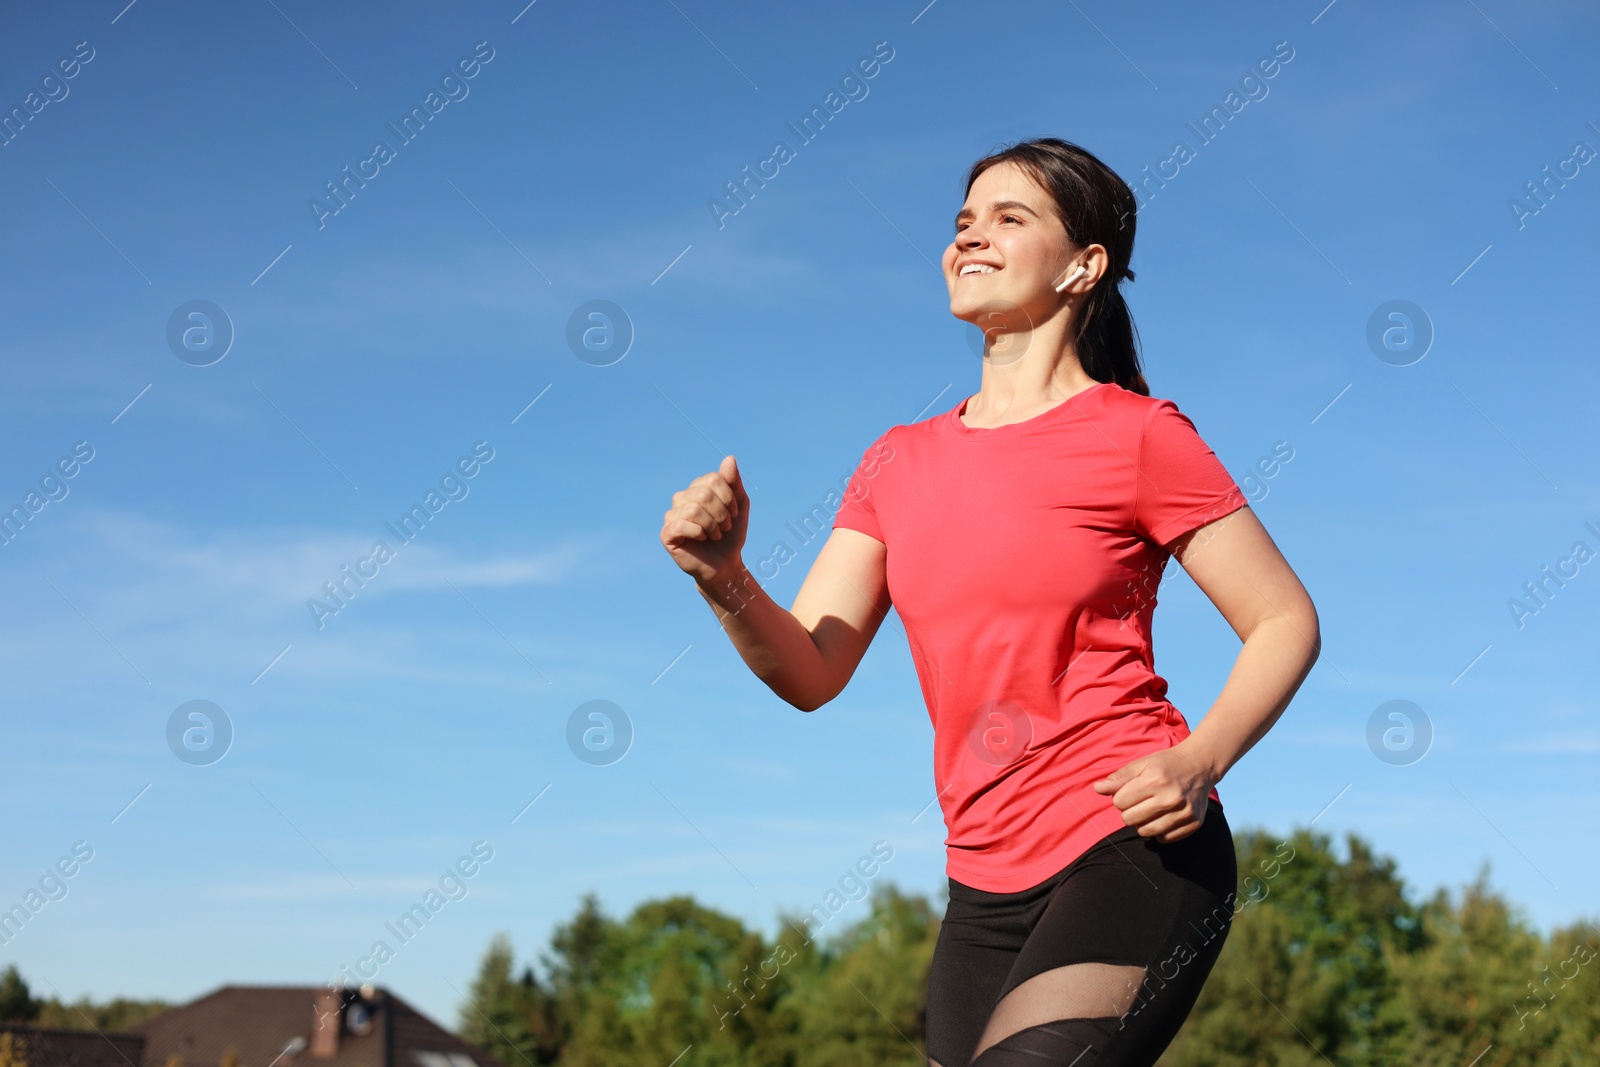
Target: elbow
1309, 626
813, 685
804, 700
1298, 626
809, 701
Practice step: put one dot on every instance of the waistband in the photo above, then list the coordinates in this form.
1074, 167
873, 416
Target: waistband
1214, 833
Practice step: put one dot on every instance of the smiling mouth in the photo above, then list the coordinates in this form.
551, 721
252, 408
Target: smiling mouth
980, 273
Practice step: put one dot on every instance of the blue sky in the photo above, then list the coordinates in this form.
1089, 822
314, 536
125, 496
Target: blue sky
374, 347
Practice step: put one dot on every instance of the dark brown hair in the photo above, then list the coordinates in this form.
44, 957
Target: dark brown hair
1095, 207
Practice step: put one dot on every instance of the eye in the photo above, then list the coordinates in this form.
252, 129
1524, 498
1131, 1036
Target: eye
1010, 218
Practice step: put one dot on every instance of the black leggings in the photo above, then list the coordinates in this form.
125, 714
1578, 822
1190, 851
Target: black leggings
1127, 902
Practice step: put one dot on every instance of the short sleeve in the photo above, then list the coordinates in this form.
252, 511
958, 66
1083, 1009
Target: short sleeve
859, 510
1180, 485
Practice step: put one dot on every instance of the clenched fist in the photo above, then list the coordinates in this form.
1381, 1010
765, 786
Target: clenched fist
705, 528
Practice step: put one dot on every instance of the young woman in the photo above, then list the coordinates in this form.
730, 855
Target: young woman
1022, 536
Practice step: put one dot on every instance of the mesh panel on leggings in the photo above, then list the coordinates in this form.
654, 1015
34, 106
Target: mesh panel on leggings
1049, 1005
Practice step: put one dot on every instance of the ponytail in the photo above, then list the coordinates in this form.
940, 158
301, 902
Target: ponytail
1096, 207
1108, 342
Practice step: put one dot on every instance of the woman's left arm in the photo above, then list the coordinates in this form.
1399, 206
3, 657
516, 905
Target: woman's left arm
1235, 562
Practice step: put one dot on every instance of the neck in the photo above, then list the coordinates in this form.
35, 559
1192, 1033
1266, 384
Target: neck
1020, 387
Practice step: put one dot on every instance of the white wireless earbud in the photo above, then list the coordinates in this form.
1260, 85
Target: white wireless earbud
1069, 281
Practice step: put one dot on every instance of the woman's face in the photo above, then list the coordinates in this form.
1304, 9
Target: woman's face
1009, 253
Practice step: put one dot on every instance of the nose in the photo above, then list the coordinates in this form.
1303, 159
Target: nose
970, 239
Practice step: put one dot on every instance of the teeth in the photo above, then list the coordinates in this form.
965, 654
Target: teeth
977, 268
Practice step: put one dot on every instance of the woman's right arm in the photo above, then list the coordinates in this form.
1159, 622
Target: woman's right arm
808, 653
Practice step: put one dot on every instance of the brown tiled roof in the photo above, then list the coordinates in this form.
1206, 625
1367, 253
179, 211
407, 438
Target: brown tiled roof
49, 1047
259, 1022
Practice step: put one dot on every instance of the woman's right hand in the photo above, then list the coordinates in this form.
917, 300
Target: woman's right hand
705, 528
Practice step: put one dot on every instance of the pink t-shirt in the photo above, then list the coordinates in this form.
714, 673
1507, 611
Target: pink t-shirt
1024, 561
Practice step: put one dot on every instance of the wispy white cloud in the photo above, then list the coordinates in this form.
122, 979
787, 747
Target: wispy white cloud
1566, 743
270, 566
301, 887
169, 596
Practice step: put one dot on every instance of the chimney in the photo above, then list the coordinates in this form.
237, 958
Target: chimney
327, 1009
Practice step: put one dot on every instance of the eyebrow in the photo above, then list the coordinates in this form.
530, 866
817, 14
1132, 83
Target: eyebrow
998, 205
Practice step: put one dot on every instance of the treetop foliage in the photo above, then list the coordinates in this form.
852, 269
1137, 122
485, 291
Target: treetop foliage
1329, 961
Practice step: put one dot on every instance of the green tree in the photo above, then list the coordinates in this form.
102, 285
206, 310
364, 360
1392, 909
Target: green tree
16, 999
1574, 955
863, 998
84, 1014
1328, 964
514, 1020
666, 979
580, 954
1304, 975
18, 1005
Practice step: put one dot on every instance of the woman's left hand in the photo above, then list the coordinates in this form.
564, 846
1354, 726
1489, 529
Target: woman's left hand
1164, 793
